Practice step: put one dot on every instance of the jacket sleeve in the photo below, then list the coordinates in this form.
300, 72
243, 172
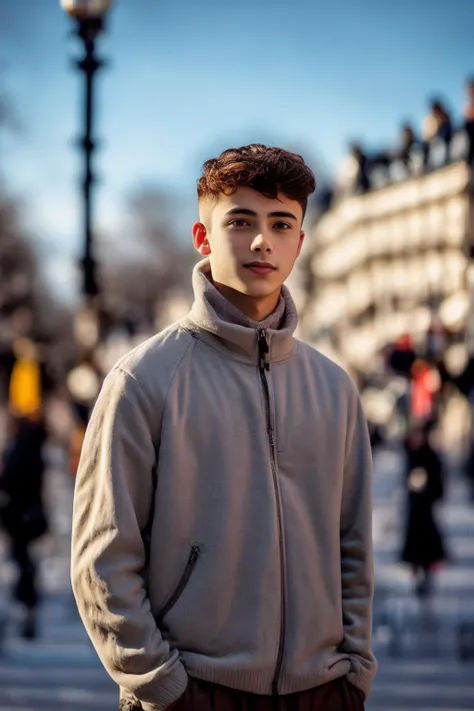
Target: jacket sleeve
112, 507
357, 572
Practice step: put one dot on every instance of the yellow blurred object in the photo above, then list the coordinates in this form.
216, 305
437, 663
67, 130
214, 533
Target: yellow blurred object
25, 388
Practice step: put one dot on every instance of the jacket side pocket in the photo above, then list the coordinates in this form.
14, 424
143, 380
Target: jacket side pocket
179, 589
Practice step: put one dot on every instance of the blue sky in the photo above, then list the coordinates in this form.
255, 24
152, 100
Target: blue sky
187, 79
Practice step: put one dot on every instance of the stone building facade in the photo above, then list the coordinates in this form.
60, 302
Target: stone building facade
391, 261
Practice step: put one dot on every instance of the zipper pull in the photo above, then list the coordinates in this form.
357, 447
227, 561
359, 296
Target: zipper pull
263, 349
195, 551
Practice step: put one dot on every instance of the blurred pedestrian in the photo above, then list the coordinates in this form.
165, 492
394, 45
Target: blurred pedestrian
352, 175
222, 545
402, 355
425, 386
362, 181
399, 360
376, 434
423, 547
408, 142
437, 125
465, 382
469, 120
22, 512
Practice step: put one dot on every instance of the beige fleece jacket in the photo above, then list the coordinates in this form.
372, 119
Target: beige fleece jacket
222, 514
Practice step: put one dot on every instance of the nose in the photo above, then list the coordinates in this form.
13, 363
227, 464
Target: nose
262, 243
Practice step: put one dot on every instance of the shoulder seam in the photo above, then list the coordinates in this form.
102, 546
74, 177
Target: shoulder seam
127, 372
191, 343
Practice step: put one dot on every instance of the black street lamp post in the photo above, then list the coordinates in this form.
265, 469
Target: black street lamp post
88, 31
89, 16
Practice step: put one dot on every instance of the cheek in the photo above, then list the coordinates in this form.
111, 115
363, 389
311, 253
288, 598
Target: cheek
287, 258
228, 244
224, 250
289, 250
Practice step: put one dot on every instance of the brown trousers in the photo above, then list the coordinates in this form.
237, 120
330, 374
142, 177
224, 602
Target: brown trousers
337, 695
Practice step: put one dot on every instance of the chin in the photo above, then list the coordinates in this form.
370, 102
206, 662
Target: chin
259, 291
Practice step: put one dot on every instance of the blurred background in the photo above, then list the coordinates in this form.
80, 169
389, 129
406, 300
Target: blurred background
107, 112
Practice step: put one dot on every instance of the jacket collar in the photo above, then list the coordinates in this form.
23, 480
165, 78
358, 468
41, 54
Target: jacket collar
232, 338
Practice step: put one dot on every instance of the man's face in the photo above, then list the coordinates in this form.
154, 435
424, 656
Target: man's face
245, 230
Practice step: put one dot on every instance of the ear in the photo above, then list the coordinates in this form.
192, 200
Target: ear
200, 239
302, 236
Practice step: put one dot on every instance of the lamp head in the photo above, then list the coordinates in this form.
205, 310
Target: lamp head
86, 9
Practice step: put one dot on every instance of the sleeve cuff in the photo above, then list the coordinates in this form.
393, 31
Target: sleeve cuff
362, 678
170, 689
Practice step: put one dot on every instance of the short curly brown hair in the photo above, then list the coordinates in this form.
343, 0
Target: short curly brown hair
269, 170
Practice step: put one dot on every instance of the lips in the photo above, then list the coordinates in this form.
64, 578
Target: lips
260, 268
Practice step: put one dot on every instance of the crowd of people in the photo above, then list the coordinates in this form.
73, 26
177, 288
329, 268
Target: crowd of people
415, 151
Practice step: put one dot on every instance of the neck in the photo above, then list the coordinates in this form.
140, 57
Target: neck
255, 307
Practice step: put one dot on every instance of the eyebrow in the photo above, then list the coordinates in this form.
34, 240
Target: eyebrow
252, 213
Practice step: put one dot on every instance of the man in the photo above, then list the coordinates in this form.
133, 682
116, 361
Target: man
437, 124
468, 114
222, 553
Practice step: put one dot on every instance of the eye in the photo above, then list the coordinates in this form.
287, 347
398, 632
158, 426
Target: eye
282, 226
239, 223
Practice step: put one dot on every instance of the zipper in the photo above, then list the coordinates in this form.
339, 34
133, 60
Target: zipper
264, 368
178, 591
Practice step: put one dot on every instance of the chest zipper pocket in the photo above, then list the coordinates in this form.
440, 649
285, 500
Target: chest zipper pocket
179, 589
